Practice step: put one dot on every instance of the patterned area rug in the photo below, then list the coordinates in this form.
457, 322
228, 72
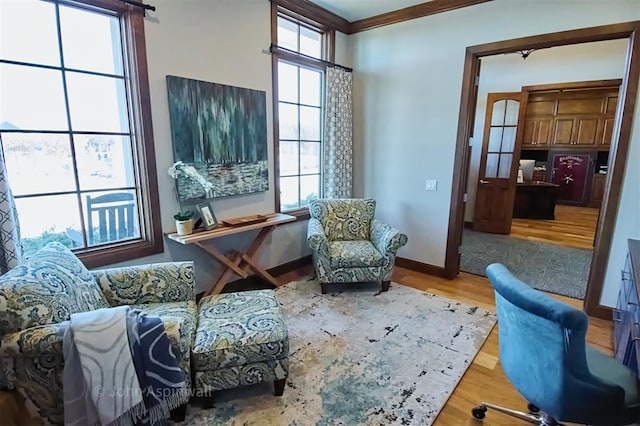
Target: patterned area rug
361, 357
548, 267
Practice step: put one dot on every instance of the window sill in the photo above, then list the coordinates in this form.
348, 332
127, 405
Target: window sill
115, 254
299, 214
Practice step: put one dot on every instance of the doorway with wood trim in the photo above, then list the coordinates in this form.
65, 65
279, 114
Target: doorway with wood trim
620, 140
543, 213
546, 144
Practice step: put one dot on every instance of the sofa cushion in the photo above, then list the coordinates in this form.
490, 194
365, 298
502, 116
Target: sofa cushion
148, 283
239, 328
344, 219
354, 254
46, 289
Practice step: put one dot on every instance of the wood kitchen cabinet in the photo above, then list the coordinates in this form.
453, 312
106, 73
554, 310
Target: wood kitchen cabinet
597, 190
587, 131
571, 117
607, 133
537, 132
577, 130
538, 121
608, 120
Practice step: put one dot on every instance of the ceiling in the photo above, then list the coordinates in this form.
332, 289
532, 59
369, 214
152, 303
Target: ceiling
353, 10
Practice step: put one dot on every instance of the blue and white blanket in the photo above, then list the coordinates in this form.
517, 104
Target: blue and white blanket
119, 368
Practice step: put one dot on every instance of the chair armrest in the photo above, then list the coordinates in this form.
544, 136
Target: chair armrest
31, 353
151, 283
34, 341
386, 239
316, 239
32, 363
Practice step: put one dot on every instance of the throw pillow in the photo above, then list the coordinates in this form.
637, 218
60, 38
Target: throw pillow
46, 289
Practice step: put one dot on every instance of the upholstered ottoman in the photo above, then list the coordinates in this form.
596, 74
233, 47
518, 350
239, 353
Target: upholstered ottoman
241, 339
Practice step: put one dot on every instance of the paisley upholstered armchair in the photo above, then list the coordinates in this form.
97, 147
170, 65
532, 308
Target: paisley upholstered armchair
349, 245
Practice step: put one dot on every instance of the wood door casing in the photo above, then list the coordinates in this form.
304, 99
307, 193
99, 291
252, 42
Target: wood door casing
498, 164
623, 127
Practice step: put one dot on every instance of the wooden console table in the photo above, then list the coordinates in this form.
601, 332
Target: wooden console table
236, 261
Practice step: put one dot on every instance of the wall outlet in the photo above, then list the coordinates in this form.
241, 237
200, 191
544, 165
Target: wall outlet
431, 185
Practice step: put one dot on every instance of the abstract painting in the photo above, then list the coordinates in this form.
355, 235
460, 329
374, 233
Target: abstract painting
222, 131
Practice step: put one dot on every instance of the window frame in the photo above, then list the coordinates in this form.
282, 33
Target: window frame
293, 58
138, 101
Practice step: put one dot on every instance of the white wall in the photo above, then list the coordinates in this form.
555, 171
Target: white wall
344, 49
221, 42
628, 222
508, 73
406, 102
407, 99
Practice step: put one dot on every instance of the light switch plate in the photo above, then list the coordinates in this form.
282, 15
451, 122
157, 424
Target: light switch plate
431, 185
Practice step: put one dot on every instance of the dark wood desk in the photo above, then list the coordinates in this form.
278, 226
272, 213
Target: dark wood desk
535, 200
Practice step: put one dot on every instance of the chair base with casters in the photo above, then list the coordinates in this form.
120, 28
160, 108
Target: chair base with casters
534, 415
569, 380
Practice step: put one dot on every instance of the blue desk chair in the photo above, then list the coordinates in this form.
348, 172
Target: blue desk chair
545, 356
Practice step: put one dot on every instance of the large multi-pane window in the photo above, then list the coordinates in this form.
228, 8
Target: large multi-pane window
300, 112
66, 125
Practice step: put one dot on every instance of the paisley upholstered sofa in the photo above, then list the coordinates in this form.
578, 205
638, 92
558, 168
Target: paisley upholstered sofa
349, 245
38, 297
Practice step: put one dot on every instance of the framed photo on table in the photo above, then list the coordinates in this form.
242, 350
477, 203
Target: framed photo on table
209, 220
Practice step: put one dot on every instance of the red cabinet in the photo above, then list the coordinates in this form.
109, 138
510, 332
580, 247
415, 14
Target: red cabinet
572, 171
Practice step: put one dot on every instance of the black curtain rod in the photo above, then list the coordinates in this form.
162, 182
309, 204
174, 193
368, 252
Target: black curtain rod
274, 50
142, 5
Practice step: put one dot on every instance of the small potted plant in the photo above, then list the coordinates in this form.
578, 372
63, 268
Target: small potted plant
184, 223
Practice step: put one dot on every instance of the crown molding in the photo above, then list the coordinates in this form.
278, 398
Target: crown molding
412, 12
321, 15
317, 13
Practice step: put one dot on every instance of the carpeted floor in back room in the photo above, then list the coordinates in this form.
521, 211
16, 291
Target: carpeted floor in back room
549, 267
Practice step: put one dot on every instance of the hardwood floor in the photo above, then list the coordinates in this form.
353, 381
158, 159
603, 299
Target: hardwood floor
13, 410
573, 227
483, 381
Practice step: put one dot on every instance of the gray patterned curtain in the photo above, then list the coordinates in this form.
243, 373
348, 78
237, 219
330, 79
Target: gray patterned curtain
338, 142
10, 244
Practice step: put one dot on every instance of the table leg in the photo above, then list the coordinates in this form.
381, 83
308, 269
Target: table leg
212, 251
260, 270
251, 263
236, 259
259, 240
234, 262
